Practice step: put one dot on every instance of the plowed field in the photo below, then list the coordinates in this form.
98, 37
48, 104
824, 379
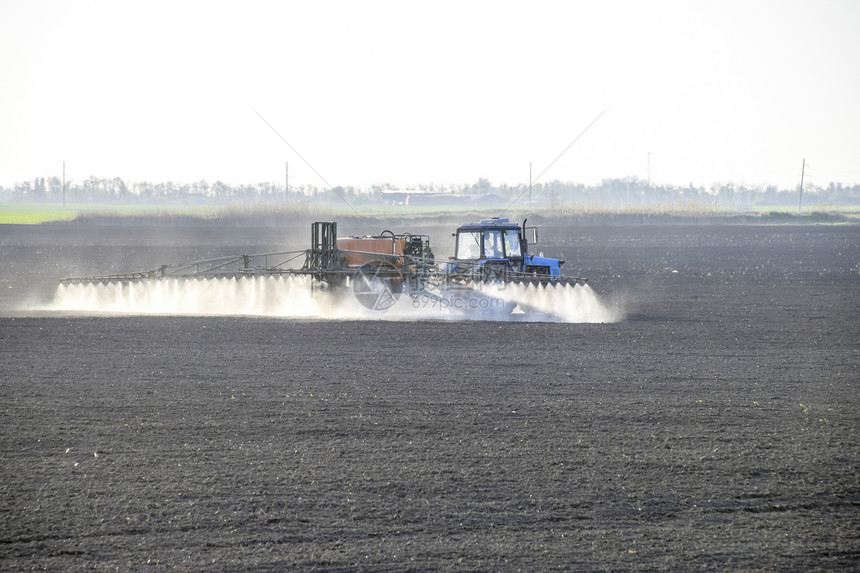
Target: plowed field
714, 426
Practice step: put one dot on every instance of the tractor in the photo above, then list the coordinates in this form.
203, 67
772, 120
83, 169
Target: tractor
498, 249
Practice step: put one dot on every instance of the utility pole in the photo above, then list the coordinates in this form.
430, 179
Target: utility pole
530, 185
649, 169
800, 200
287, 185
64, 184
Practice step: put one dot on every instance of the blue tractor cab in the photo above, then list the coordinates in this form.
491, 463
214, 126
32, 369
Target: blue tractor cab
498, 247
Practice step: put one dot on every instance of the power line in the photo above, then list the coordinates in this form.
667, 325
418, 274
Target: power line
532, 181
342, 198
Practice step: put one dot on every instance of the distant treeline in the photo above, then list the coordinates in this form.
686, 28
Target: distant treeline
629, 191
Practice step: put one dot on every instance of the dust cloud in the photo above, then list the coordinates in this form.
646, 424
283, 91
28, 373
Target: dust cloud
556, 303
302, 297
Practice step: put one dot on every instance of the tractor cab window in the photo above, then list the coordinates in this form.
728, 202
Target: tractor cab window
469, 245
493, 245
512, 243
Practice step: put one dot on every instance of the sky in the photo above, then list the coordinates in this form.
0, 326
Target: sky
431, 92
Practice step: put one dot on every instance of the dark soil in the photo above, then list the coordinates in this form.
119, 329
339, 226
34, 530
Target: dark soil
715, 427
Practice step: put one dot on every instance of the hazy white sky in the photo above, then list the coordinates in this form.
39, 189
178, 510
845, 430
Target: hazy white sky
431, 92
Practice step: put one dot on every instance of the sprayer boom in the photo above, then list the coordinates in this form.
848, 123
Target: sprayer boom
385, 266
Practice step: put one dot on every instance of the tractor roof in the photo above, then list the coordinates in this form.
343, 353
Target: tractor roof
494, 223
